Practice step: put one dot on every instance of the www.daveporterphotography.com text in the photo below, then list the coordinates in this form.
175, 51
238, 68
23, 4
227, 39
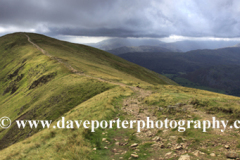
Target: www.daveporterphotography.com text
139, 125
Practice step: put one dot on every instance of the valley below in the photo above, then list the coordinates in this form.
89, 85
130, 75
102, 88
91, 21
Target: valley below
214, 70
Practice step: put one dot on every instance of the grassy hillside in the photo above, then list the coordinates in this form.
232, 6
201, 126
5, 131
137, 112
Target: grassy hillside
35, 86
83, 83
98, 63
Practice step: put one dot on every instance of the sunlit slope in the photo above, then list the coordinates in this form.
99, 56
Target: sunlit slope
98, 63
71, 143
79, 143
35, 86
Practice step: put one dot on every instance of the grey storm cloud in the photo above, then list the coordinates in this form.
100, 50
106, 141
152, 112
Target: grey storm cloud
119, 18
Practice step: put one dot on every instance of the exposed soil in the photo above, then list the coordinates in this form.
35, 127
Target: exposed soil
11, 88
15, 73
42, 80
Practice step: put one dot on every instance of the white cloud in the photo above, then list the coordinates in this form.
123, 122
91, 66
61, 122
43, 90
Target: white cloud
81, 39
10, 29
174, 38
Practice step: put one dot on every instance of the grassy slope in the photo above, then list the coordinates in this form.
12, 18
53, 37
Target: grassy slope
45, 90
106, 104
99, 63
76, 144
68, 144
33, 86
208, 101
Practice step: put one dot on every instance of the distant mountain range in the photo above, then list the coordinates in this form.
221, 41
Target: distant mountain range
118, 45
114, 43
215, 70
186, 46
237, 45
210, 65
126, 49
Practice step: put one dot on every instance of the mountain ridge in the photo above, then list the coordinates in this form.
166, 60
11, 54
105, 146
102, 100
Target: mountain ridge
50, 79
38, 67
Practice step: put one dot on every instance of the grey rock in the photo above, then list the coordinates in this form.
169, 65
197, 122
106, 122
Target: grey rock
232, 155
134, 145
134, 155
213, 154
184, 157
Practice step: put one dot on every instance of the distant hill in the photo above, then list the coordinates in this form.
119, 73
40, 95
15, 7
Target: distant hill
174, 62
222, 77
114, 43
194, 65
117, 45
188, 45
237, 45
125, 49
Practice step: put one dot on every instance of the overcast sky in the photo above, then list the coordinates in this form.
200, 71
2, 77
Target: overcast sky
99, 19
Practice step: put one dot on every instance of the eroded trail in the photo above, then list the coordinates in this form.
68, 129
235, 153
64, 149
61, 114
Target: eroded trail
74, 70
135, 107
227, 131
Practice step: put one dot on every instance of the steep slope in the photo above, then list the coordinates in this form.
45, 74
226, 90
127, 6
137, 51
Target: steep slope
33, 86
116, 143
44, 78
97, 62
45, 82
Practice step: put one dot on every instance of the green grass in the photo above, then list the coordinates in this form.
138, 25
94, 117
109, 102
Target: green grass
99, 63
34, 86
219, 103
72, 143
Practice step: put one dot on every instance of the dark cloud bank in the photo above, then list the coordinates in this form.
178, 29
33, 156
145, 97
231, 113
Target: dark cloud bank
119, 18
